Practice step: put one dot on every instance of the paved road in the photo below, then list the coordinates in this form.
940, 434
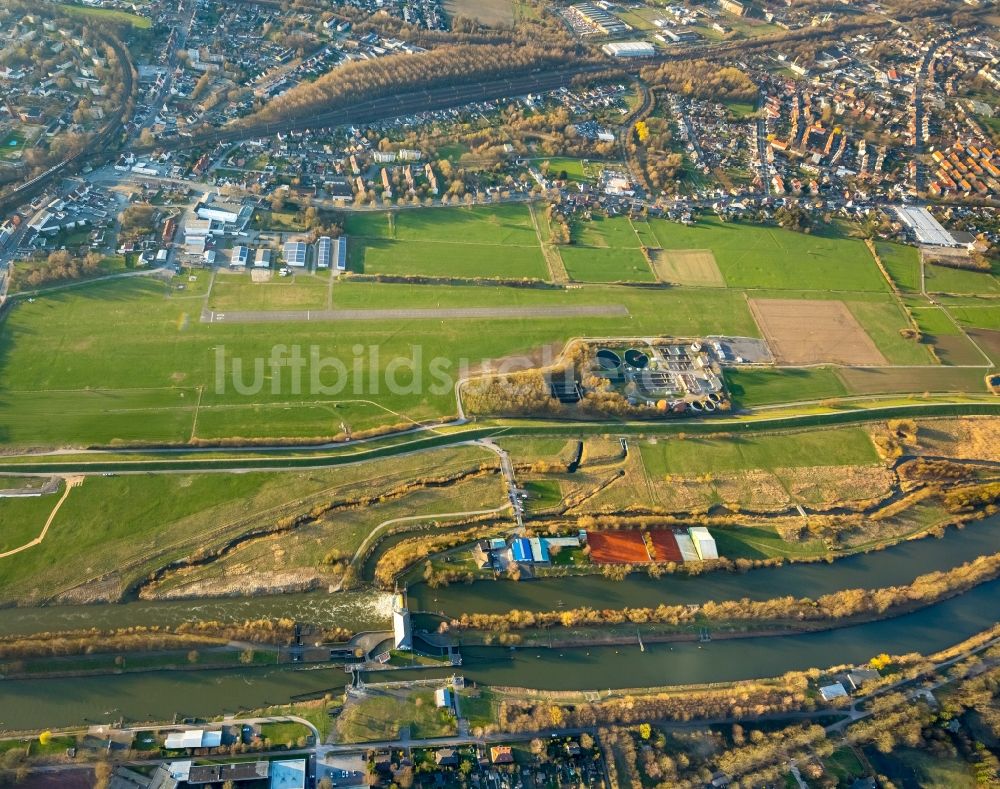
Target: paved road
444, 313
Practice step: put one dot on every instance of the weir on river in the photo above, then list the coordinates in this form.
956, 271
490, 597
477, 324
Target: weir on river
34, 704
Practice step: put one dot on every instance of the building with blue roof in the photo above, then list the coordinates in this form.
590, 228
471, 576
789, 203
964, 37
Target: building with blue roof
520, 549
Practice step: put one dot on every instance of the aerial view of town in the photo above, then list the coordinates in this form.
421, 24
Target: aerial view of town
500, 394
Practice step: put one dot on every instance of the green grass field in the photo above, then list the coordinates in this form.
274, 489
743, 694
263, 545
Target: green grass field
108, 15
764, 386
159, 518
498, 242
380, 717
692, 456
942, 279
979, 316
125, 360
749, 542
590, 264
22, 519
903, 264
447, 259
129, 361
752, 256
299, 292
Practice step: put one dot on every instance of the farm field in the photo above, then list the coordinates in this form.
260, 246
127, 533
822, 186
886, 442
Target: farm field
763, 386
688, 267
808, 332
692, 456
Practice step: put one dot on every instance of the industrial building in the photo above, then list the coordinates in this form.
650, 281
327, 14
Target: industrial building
596, 20
240, 257
296, 254
340, 253
630, 49
925, 228
324, 252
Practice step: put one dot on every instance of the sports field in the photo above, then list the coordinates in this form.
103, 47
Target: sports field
617, 547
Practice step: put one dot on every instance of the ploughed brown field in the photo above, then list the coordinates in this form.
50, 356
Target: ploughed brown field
803, 331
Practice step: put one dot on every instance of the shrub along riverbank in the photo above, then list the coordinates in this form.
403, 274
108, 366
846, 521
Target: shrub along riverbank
783, 614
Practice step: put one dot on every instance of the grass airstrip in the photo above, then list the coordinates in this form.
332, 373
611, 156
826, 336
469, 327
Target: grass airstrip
131, 361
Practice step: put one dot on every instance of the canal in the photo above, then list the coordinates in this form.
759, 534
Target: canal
41, 703
898, 564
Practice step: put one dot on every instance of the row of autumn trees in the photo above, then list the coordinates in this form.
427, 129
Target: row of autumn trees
738, 700
844, 604
279, 632
369, 79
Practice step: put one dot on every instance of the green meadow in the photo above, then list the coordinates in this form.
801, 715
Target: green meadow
130, 361
756, 256
696, 455
490, 242
108, 15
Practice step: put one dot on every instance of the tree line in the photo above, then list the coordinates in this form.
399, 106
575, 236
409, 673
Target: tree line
845, 604
363, 80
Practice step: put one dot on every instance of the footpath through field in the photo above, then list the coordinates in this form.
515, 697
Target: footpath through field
71, 482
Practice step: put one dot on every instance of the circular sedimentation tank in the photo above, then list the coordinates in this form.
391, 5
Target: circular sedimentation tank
608, 359
636, 359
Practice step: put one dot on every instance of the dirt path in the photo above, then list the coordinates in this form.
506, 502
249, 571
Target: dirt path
71, 482
557, 269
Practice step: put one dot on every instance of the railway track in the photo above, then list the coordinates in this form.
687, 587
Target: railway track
101, 142
104, 144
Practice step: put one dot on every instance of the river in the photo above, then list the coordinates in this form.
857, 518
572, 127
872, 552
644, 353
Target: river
357, 611
40, 703
898, 564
